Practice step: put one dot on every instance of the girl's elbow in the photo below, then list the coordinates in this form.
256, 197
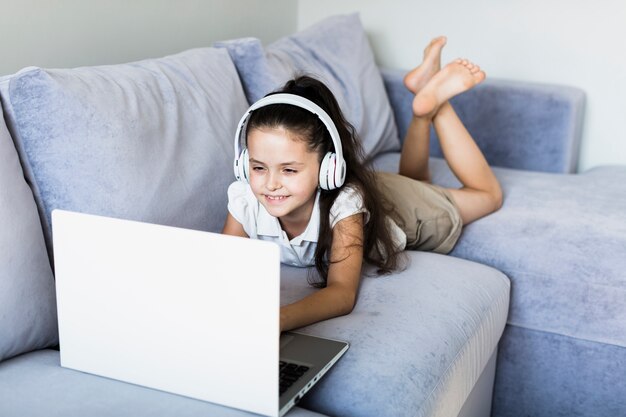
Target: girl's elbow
496, 196
498, 200
348, 303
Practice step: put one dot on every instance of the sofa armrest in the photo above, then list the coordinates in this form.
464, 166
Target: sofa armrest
520, 125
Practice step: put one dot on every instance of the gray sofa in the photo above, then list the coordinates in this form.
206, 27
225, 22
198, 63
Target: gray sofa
152, 141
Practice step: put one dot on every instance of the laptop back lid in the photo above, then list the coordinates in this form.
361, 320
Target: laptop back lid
188, 312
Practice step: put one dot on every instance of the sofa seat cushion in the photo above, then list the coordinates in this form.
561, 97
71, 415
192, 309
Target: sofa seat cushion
35, 384
335, 51
561, 239
27, 303
420, 338
150, 140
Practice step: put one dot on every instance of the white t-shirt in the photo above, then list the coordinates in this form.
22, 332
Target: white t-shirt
299, 251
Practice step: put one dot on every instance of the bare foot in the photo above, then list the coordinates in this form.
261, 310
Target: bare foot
420, 75
455, 78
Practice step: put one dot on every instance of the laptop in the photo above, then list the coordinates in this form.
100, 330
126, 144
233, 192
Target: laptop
188, 312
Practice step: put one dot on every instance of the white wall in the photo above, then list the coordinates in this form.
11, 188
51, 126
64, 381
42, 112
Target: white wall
574, 42
69, 33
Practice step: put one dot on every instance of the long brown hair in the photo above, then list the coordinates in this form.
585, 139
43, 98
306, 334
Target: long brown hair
378, 247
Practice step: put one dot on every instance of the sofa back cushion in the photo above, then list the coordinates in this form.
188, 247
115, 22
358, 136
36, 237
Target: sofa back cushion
149, 141
335, 51
27, 302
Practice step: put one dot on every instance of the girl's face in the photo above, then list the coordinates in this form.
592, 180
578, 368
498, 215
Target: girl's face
284, 174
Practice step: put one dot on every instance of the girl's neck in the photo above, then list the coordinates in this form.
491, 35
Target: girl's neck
292, 230
295, 223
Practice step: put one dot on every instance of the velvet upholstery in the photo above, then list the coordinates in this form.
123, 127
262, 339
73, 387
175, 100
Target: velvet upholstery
559, 283
568, 264
149, 140
27, 304
336, 51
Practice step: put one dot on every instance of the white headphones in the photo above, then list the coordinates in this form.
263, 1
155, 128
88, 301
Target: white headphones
333, 167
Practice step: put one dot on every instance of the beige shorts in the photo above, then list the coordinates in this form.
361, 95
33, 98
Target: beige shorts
426, 213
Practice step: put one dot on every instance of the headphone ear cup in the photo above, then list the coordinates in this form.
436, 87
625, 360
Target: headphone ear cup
242, 167
339, 172
327, 172
246, 166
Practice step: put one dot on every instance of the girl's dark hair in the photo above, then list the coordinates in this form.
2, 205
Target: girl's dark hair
378, 247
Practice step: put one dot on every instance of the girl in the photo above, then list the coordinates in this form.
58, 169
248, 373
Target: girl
295, 191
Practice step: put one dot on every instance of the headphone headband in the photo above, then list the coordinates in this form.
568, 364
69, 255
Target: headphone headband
338, 173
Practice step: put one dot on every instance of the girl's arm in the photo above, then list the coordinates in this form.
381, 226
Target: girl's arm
233, 227
344, 275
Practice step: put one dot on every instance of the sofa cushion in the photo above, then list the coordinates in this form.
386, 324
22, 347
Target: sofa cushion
150, 140
561, 239
335, 51
32, 384
419, 338
27, 302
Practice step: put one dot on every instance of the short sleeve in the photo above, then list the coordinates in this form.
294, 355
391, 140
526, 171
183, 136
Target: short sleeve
243, 206
348, 202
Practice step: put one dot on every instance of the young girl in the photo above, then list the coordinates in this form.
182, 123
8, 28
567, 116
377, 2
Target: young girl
337, 221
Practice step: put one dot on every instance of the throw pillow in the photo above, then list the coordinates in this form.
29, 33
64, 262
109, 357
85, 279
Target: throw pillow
149, 141
337, 52
27, 300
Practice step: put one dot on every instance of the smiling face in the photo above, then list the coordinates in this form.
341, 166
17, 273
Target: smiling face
284, 174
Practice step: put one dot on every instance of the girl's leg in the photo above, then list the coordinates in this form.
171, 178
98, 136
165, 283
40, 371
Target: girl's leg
480, 193
415, 148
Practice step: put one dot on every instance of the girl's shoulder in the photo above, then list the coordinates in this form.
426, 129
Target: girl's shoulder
350, 192
349, 201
